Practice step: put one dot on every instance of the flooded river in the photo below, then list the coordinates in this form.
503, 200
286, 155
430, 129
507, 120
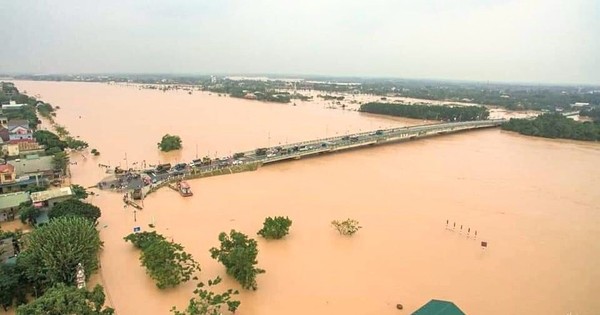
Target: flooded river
535, 201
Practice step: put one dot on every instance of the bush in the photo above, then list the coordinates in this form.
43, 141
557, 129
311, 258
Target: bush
275, 228
95, 152
169, 143
347, 227
238, 254
165, 262
209, 303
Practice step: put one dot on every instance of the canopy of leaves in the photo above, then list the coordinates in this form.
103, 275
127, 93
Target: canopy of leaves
75, 207
76, 144
275, 228
56, 248
554, 126
60, 161
432, 112
28, 213
169, 143
62, 300
238, 254
346, 227
50, 140
10, 288
207, 302
79, 191
166, 262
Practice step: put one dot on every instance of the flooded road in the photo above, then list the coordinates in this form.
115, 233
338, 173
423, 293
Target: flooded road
535, 201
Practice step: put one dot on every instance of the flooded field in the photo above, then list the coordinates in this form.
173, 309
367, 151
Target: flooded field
535, 201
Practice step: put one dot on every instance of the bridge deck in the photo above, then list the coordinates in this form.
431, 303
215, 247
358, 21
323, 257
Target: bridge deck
332, 144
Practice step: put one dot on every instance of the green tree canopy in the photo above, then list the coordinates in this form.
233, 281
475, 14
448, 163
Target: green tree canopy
207, 302
432, 112
28, 213
75, 207
10, 287
65, 300
60, 162
554, 125
166, 262
49, 140
56, 248
79, 191
169, 143
238, 254
275, 228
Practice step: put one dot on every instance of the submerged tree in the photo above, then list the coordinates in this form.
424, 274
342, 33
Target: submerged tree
238, 254
207, 302
79, 191
62, 299
346, 227
166, 262
275, 228
169, 143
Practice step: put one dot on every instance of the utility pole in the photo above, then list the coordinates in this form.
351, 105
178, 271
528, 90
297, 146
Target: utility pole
126, 163
196, 151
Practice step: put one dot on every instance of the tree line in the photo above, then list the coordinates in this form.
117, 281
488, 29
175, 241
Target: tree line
429, 112
555, 125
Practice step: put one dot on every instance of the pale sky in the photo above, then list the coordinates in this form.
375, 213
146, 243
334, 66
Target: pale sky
546, 41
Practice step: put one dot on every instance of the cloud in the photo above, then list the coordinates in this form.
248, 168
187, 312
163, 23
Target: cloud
526, 40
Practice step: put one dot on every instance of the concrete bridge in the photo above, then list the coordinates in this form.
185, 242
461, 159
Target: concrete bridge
251, 160
363, 139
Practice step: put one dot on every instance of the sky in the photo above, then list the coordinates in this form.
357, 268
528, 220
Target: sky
544, 41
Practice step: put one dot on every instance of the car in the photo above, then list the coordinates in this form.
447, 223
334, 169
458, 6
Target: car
238, 162
346, 138
271, 155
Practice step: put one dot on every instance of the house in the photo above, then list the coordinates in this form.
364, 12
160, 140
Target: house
23, 147
3, 121
438, 307
48, 198
33, 165
12, 105
19, 129
9, 204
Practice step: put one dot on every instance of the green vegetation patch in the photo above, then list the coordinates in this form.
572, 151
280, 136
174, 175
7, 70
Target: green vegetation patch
554, 125
429, 112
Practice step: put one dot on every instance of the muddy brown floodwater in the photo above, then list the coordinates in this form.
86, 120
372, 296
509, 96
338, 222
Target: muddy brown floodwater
535, 201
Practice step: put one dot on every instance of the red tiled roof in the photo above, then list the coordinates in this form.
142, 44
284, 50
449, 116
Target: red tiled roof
7, 168
18, 141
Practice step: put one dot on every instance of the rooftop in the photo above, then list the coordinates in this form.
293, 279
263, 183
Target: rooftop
34, 164
51, 194
7, 168
439, 307
13, 123
12, 200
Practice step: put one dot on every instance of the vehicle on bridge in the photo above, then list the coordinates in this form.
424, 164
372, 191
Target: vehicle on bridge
161, 168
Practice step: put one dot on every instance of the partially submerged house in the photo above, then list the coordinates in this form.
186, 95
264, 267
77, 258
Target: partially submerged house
9, 204
48, 198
